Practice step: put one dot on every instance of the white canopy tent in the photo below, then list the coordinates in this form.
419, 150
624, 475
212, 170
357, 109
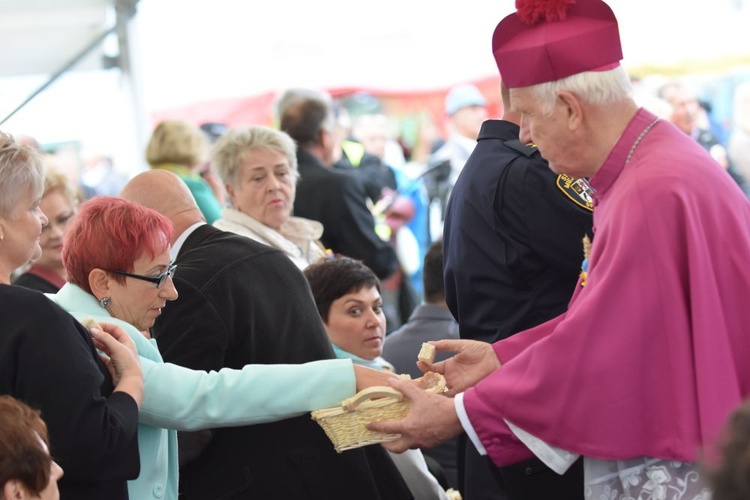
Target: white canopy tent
174, 52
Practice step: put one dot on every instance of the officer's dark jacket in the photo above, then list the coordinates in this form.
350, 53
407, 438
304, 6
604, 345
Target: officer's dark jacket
512, 238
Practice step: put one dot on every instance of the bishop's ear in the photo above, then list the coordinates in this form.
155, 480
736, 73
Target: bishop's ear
573, 109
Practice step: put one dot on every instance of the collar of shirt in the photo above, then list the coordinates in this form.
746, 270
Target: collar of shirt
179, 242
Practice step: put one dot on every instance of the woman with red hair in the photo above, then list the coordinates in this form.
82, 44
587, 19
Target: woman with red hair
117, 254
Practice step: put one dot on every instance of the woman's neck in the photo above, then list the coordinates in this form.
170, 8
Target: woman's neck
60, 269
5, 274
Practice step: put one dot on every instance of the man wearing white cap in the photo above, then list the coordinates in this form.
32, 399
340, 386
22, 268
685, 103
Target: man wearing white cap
640, 373
466, 109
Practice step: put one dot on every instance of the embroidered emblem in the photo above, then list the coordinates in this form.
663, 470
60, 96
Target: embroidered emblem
585, 264
577, 190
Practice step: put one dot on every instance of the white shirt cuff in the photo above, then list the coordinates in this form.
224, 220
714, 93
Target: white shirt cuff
557, 459
458, 402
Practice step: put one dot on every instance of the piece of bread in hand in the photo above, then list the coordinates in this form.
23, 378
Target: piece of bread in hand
433, 382
427, 354
89, 323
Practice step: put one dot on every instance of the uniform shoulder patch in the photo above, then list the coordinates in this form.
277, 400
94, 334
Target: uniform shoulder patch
576, 190
528, 150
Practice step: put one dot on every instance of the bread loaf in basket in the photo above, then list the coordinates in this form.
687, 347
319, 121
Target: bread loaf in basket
345, 424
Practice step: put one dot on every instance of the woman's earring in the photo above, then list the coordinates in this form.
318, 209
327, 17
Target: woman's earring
104, 302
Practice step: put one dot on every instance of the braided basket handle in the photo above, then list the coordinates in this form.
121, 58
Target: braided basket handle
364, 395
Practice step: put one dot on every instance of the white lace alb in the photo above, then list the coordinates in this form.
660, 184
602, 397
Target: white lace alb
643, 479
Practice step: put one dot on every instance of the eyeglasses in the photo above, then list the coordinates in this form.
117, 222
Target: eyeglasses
157, 280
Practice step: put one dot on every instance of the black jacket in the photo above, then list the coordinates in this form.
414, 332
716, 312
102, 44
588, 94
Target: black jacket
47, 360
243, 302
374, 174
337, 200
34, 282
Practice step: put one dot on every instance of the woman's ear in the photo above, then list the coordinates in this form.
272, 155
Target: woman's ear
230, 193
13, 490
325, 327
573, 108
99, 283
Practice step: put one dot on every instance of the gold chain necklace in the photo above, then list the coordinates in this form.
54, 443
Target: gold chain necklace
639, 139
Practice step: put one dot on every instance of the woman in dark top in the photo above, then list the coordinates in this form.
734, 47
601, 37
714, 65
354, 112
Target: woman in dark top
49, 361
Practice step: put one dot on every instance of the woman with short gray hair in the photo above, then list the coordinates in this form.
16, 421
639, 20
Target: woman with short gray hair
258, 166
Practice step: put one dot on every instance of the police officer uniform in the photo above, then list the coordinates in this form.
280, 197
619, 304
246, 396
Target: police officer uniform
512, 246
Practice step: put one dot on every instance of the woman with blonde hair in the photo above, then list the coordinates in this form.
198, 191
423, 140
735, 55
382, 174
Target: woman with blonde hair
181, 148
59, 203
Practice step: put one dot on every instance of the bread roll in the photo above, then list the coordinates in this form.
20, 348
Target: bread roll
427, 354
89, 323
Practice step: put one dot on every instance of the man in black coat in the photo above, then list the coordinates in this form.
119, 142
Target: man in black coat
242, 302
512, 255
335, 199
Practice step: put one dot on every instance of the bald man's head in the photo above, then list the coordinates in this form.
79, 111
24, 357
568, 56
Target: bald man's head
166, 193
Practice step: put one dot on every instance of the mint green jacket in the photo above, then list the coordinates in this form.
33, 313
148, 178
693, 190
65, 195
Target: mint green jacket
177, 398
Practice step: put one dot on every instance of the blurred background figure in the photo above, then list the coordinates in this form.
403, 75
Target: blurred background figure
27, 470
213, 132
99, 176
27, 140
395, 213
466, 109
400, 297
690, 117
258, 166
364, 161
407, 204
739, 137
431, 320
372, 130
59, 203
333, 198
347, 294
181, 148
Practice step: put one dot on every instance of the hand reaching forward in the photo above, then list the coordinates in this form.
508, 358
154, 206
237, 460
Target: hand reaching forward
473, 361
431, 420
121, 359
368, 377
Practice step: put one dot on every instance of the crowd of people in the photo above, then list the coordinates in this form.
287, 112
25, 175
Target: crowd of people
579, 264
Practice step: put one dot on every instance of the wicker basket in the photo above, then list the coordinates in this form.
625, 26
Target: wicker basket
345, 425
